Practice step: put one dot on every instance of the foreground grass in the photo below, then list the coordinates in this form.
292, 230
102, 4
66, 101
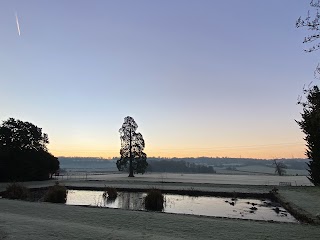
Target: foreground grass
29, 220
303, 199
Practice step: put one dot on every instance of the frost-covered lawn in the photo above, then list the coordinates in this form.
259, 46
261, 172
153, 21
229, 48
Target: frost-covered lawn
265, 169
184, 180
194, 178
28, 220
305, 198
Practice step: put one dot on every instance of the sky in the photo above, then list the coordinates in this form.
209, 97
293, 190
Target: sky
201, 78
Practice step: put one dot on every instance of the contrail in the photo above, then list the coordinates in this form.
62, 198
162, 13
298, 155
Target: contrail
18, 26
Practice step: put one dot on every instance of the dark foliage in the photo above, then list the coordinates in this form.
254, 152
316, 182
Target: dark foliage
56, 194
16, 191
310, 126
312, 23
110, 193
178, 167
132, 159
17, 134
310, 123
26, 165
154, 200
23, 152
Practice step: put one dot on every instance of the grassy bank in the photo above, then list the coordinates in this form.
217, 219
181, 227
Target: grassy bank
29, 220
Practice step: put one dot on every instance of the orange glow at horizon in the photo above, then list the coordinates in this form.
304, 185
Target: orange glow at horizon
260, 152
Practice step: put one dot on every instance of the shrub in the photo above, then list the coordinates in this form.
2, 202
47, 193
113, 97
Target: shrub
17, 191
110, 193
154, 200
56, 194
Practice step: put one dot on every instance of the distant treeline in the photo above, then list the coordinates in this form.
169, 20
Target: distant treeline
165, 164
294, 163
178, 167
87, 163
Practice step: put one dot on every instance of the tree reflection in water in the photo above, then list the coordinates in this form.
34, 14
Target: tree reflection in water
131, 200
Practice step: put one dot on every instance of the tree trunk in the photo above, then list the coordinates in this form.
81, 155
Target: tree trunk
130, 166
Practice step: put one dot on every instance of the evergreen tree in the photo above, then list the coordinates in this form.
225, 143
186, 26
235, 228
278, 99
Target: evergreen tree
310, 123
132, 159
310, 126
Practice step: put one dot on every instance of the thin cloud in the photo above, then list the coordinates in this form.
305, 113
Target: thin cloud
18, 26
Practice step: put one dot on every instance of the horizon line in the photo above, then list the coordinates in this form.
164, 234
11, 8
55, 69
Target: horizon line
111, 158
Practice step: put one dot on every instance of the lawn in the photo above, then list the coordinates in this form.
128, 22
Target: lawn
32, 220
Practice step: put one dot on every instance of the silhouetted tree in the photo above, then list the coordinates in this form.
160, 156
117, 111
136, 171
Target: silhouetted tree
23, 152
310, 126
310, 123
21, 135
132, 158
312, 23
280, 168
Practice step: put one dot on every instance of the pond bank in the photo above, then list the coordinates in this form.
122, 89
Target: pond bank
303, 199
30, 220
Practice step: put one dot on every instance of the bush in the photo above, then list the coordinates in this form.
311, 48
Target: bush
110, 193
17, 191
56, 194
154, 200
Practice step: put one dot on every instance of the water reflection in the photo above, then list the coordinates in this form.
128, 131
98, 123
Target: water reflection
257, 209
109, 201
131, 200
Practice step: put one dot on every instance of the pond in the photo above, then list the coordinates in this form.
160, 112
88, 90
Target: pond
244, 208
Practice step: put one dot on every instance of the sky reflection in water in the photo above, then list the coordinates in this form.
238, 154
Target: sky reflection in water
256, 209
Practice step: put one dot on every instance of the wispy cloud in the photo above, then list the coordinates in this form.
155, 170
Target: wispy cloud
18, 26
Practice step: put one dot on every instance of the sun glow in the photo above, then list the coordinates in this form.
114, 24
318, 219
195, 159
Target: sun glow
294, 150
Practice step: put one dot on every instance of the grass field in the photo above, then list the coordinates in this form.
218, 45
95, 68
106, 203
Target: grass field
258, 170
30, 220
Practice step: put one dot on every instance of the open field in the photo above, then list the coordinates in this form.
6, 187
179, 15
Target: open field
29, 220
181, 180
259, 169
194, 178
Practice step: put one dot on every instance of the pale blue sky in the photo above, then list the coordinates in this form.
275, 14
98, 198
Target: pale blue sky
214, 78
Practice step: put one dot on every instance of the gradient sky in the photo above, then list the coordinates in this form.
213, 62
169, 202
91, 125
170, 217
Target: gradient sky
200, 77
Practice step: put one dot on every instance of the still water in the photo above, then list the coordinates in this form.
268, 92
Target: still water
256, 209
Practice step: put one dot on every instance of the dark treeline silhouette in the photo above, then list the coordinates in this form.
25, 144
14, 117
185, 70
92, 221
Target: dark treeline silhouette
101, 164
26, 165
178, 167
294, 163
23, 152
